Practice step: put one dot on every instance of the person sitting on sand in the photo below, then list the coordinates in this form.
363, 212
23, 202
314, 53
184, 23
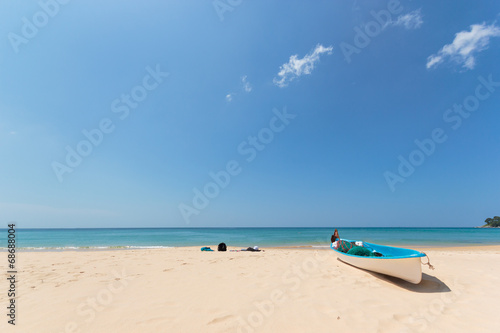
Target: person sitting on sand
350, 247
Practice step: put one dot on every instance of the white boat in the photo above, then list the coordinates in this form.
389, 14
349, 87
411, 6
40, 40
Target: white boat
398, 262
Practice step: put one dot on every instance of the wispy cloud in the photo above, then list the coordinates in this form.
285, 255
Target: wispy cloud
412, 20
465, 46
297, 67
246, 85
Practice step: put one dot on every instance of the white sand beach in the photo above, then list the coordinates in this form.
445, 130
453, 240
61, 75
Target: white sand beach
277, 290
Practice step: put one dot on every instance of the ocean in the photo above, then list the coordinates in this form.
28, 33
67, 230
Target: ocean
104, 238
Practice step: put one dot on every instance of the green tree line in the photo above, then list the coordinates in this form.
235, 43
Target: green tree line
492, 222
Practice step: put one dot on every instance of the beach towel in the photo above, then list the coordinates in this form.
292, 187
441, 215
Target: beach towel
252, 249
205, 248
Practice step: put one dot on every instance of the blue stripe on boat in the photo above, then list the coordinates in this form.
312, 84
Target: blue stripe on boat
389, 252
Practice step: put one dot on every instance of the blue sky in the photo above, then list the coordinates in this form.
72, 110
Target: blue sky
306, 113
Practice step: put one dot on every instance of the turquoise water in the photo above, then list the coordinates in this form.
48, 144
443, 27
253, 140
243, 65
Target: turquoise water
243, 237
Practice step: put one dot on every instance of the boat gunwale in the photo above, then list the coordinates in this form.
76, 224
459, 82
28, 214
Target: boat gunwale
416, 254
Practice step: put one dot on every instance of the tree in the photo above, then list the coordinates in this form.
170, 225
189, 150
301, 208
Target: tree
492, 222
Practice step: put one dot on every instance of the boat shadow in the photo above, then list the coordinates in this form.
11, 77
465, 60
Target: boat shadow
429, 283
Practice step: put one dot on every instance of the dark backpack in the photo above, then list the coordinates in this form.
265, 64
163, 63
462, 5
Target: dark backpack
222, 247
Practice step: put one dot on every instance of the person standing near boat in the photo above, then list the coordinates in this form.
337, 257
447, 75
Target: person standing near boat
340, 244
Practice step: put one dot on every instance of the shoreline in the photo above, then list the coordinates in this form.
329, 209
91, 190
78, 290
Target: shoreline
431, 247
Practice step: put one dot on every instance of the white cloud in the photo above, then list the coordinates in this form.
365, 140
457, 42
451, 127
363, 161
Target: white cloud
433, 60
246, 85
465, 46
412, 20
298, 67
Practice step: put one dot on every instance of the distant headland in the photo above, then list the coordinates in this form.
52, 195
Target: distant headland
491, 222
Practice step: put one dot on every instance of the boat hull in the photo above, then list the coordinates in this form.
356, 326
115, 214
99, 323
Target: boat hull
398, 262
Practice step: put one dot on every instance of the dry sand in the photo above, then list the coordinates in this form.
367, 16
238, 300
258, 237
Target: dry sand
279, 290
